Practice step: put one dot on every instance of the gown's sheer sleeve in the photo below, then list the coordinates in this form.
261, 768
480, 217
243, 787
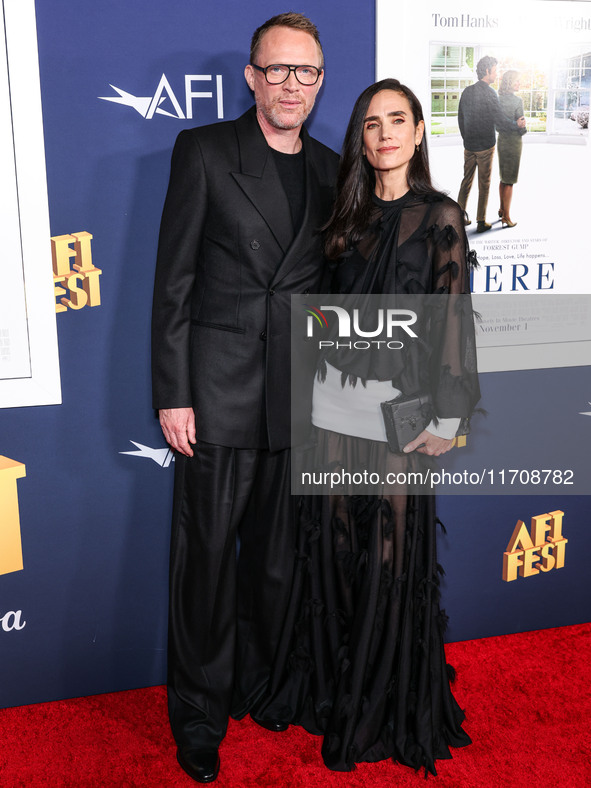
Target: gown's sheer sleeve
453, 370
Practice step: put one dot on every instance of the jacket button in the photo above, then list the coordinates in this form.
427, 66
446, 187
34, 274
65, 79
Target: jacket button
271, 292
255, 245
306, 292
263, 335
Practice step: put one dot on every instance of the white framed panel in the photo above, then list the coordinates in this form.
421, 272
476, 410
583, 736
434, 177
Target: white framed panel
29, 362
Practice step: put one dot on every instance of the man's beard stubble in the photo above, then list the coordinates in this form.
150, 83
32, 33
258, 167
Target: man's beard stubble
281, 119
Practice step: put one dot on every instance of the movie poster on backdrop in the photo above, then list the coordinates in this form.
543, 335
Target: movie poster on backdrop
29, 364
543, 73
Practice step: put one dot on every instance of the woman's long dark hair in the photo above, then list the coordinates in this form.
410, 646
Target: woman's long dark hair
356, 178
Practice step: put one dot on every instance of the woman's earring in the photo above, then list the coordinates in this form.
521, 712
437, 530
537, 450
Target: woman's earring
417, 148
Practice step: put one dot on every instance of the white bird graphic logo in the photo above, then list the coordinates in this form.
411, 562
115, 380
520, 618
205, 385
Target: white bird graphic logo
148, 105
162, 457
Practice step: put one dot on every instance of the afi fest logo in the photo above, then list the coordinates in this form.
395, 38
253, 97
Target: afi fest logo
387, 320
75, 277
11, 552
539, 548
164, 100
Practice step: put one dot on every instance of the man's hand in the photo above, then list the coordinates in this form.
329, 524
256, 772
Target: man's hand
178, 426
521, 122
431, 444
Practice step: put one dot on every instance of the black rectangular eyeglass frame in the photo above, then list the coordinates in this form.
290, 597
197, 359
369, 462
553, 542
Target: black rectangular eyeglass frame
264, 69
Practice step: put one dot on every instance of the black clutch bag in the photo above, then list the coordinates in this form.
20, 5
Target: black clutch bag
405, 418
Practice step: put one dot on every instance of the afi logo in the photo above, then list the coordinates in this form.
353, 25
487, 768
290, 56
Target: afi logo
162, 457
164, 100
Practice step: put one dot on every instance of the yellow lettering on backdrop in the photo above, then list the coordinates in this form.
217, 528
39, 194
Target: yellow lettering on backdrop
520, 539
74, 272
538, 549
11, 553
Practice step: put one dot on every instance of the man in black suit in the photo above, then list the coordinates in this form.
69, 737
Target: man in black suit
239, 235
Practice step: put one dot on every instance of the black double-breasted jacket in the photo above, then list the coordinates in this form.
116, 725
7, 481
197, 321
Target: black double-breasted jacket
228, 262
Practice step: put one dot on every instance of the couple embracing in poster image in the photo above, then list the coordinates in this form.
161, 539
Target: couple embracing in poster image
480, 114
329, 616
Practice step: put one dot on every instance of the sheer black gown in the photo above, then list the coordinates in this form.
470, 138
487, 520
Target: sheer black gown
361, 660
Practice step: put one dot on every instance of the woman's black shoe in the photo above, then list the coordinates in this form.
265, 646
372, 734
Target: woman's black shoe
271, 725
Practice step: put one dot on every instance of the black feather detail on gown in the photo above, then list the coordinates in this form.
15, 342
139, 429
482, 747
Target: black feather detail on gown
362, 660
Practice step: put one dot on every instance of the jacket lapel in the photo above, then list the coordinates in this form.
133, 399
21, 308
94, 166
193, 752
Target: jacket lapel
318, 199
259, 180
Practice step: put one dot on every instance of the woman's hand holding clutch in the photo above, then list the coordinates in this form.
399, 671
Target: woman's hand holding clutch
427, 443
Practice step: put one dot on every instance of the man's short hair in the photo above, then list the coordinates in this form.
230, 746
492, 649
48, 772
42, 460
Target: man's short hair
485, 64
290, 19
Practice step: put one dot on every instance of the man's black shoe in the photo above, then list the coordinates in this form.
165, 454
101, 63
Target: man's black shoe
271, 725
202, 764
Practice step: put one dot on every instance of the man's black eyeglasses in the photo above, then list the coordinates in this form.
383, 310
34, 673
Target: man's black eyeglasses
279, 72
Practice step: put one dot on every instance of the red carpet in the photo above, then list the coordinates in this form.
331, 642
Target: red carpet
527, 699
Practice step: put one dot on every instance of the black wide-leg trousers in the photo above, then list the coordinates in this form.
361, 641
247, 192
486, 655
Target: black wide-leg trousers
226, 613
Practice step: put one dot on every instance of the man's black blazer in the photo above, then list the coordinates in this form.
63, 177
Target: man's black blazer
227, 265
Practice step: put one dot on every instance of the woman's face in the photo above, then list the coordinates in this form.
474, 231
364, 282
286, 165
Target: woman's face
389, 132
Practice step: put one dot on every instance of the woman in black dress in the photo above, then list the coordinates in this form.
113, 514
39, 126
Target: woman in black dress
362, 659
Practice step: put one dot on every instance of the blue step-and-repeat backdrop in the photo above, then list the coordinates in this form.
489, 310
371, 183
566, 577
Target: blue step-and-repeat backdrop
86, 485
